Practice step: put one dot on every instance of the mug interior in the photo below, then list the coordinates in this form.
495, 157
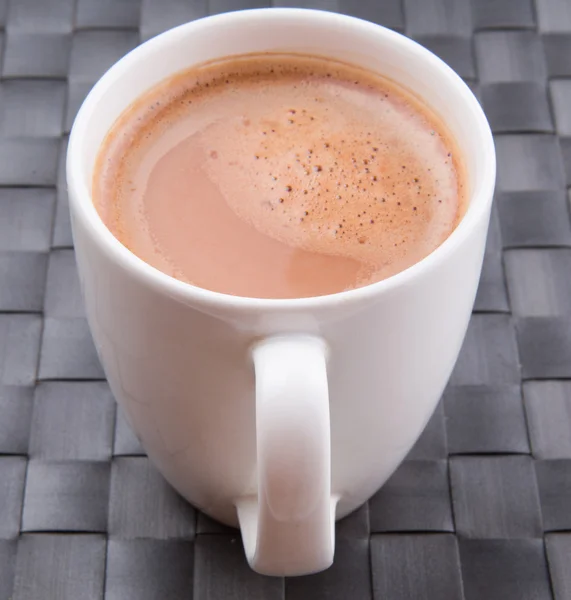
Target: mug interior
288, 30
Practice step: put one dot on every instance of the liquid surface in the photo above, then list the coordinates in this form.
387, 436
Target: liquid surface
279, 176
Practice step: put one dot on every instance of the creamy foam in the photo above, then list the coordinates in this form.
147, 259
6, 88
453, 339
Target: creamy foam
279, 176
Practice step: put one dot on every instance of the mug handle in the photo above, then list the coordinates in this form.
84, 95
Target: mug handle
289, 527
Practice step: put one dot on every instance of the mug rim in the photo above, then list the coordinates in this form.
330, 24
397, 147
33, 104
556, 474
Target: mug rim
479, 200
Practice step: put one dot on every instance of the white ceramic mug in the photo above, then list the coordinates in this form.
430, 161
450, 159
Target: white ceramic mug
279, 415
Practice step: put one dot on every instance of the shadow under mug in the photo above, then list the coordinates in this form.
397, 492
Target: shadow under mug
279, 415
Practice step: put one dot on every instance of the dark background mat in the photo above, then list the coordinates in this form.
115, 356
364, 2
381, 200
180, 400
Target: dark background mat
482, 507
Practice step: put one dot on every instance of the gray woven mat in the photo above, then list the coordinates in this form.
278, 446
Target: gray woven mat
482, 507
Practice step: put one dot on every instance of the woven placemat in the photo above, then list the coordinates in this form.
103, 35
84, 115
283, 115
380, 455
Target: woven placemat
481, 509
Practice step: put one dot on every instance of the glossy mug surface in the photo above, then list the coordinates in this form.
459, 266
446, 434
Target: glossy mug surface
279, 415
